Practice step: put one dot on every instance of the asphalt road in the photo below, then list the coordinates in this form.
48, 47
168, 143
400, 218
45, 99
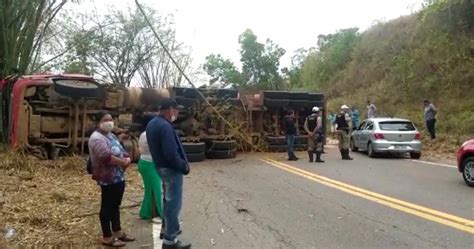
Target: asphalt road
262, 201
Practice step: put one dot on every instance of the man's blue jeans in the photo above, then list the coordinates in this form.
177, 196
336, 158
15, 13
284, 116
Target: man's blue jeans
172, 201
290, 141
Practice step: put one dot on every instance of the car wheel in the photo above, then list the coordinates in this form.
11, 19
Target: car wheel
468, 171
370, 151
196, 157
415, 155
353, 147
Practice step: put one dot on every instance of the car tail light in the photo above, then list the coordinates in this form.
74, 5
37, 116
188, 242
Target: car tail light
378, 136
418, 136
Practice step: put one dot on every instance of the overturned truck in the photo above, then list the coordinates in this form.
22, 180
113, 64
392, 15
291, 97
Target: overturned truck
48, 115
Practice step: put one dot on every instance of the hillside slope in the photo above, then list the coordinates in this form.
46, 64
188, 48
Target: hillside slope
428, 55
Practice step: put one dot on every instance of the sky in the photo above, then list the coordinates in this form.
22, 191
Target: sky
213, 26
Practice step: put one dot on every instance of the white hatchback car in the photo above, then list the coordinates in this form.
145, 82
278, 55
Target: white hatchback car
387, 135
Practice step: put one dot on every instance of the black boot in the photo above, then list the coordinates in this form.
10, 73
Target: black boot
310, 155
318, 158
294, 157
342, 153
346, 155
177, 245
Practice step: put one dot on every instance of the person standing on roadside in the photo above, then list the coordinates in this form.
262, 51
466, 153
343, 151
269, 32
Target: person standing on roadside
152, 206
371, 109
109, 162
313, 126
290, 133
171, 163
355, 117
343, 127
430, 113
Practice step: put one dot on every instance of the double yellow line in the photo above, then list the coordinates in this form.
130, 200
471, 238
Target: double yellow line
410, 208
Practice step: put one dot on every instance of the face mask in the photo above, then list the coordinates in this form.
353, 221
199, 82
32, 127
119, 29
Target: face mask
173, 118
107, 126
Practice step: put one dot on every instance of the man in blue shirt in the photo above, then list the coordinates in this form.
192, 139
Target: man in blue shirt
355, 116
170, 160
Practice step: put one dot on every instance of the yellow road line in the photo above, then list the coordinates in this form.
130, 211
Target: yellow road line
420, 211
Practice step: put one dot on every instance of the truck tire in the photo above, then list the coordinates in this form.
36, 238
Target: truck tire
277, 148
276, 94
280, 140
186, 102
227, 94
194, 148
316, 97
299, 96
196, 157
221, 154
301, 139
313, 103
79, 89
222, 145
299, 103
191, 93
276, 103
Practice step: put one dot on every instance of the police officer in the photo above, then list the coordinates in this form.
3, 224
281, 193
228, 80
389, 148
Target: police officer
343, 128
314, 127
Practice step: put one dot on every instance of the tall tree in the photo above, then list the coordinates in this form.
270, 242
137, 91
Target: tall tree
24, 25
260, 62
222, 71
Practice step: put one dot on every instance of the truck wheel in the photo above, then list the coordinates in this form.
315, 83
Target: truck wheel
193, 148
78, 88
276, 103
223, 145
277, 148
299, 95
187, 102
191, 93
221, 154
316, 97
280, 140
301, 140
196, 157
276, 94
299, 103
227, 93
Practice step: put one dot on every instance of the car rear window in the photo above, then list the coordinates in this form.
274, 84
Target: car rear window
396, 126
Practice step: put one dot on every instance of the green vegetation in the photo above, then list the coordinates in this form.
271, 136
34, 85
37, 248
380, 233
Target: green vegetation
397, 64
260, 65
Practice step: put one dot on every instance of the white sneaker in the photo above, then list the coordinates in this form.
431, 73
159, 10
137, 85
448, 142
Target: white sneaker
156, 220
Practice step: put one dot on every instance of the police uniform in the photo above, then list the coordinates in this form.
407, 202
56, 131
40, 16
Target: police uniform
313, 124
343, 122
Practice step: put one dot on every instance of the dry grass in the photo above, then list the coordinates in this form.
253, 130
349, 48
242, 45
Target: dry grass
53, 203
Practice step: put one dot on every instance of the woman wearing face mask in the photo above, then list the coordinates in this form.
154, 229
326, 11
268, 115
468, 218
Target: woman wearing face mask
109, 162
152, 206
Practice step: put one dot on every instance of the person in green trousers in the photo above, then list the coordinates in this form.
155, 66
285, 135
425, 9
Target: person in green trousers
152, 205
